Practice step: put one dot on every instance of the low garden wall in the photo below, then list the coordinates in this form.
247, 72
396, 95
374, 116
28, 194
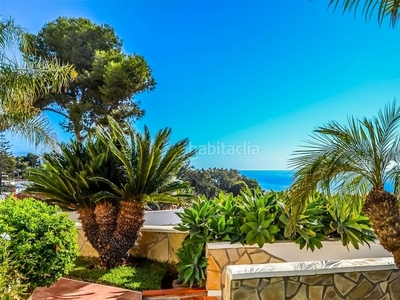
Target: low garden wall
220, 255
159, 240
374, 278
156, 242
159, 243
162, 217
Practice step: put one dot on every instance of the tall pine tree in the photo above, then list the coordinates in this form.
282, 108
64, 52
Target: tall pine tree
108, 80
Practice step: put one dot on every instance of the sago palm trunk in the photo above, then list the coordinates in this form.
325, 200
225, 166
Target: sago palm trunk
129, 222
383, 210
106, 218
89, 225
112, 229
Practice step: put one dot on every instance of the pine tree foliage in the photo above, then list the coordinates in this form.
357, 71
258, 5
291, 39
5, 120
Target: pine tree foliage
108, 79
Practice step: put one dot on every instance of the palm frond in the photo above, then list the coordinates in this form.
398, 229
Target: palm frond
380, 8
113, 164
150, 164
349, 159
23, 81
65, 176
36, 130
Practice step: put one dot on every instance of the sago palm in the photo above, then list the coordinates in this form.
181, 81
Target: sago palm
358, 158
108, 179
378, 8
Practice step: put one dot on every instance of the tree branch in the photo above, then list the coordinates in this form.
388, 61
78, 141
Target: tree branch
55, 111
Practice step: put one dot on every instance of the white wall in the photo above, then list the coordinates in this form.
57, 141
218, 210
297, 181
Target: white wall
162, 217
157, 217
331, 250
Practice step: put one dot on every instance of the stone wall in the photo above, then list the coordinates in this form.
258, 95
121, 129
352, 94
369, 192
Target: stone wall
156, 242
375, 279
85, 248
218, 259
159, 243
223, 254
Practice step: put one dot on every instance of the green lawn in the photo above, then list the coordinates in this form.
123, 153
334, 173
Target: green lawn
140, 274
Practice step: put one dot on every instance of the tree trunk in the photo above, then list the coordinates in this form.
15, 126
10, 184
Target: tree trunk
106, 218
89, 225
129, 222
383, 210
112, 229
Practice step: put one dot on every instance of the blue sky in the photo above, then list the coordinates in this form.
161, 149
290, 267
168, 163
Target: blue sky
245, 81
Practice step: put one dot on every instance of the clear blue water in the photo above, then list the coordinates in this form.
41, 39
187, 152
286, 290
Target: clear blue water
277, 180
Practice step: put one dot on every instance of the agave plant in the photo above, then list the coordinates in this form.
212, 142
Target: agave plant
108, 179
350, 224
260, 210
309, 225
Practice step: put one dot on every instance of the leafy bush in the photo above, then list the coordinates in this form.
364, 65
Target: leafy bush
42, 240
12, 286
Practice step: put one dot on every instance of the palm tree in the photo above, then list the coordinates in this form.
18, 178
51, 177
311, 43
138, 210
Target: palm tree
379, 8
108, 179
22, 81
35, 129
358, 158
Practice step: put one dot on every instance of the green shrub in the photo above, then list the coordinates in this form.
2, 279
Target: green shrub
42, 240
12, 286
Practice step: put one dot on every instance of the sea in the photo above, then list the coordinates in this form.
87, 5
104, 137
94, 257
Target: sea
279, 180
276, 180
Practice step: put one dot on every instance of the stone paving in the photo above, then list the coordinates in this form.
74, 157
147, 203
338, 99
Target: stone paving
68, 289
